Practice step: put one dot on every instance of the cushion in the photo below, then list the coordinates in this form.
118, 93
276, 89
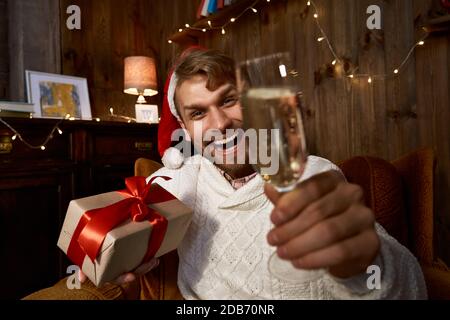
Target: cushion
383, 192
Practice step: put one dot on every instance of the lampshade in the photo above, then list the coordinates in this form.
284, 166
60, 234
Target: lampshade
140, 76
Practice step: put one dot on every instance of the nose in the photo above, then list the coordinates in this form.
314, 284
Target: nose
220, 120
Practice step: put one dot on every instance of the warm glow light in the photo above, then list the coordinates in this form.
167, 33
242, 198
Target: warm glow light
351, 76
254, 10
180, 30
169, 41
68, 116
421, 43
42, 148
59, 130
187, 25
316, 15
369, 80
14, 137
308, 3
71, 118
204, 30
223, 31
232, 19
396, 71
209, 23
320, 39
334, 62
111, 110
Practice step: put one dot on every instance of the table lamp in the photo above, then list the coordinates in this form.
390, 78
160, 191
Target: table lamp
140, 77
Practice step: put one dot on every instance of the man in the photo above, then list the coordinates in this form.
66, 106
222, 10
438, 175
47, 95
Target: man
238, 220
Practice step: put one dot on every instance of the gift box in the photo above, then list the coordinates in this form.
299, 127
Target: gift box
112, 233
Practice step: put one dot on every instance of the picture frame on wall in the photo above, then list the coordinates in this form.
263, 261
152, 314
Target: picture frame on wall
55, 95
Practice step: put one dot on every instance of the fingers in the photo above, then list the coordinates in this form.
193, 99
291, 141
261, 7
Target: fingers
333, 203
328, 232
139, 271
125, 278
81, 276
291, 203
146, 267
272, 193
352, 250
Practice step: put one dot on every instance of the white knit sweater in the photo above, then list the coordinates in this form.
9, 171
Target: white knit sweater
224, 254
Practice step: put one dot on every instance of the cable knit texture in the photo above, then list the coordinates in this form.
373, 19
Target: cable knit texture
224, 254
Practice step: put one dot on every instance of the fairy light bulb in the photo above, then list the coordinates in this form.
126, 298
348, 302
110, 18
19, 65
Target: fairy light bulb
169, 41
204, 30
351, 76
320, 39
254, 10
396, 71
67, 116
232, 19
180, 30
14, 137
59, 130
308, 3
187, 25
42, 148
111, 110
209, 23
223, 30
421, 43
334, 62
316, 15
369, 80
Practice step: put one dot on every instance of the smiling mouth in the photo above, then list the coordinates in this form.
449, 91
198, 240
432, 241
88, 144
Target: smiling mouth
226, 143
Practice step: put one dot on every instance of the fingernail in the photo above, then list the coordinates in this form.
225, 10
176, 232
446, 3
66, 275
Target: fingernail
273, 239
277, 216
282, 252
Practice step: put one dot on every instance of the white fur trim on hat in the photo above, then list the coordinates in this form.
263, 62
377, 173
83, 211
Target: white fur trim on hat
172, 158
171, 95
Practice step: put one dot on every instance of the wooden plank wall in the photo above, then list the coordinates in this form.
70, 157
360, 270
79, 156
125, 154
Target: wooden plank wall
112, 30
351, 117
4, 57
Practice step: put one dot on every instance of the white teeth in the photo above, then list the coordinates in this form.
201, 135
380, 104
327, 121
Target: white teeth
225, 141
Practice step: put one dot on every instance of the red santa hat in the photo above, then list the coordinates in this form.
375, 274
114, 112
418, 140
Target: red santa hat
171, 157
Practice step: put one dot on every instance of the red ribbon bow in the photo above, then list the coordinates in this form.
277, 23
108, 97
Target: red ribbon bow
95, 224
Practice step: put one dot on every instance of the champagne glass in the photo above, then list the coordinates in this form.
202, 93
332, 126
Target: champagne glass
270, 101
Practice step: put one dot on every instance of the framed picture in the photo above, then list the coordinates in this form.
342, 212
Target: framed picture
55, 95
147, 113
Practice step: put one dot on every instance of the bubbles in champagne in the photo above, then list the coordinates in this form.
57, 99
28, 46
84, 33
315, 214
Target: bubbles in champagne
276, 109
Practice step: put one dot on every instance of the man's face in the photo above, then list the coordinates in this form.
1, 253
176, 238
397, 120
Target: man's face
207, 115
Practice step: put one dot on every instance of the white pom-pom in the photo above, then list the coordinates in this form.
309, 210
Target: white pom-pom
172, 158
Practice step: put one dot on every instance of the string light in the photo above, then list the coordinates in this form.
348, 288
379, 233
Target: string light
222, 27
14, 137
323, 37
43, 148
59, 130
370, 78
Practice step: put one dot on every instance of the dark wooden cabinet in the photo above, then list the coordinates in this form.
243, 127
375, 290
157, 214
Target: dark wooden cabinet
36, 187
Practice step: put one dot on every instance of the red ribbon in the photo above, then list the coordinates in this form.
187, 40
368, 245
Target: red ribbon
96, 223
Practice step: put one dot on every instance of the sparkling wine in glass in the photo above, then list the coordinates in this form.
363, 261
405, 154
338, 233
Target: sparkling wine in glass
270, 101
